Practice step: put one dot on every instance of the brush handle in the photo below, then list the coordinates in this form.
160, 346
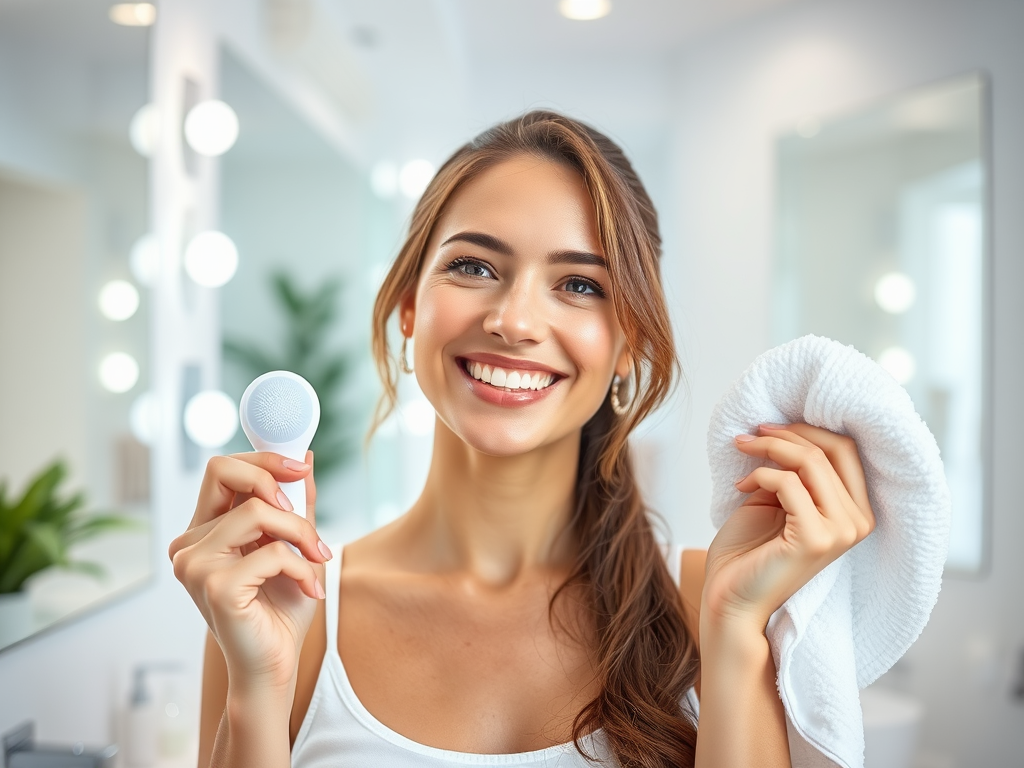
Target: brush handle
296, 493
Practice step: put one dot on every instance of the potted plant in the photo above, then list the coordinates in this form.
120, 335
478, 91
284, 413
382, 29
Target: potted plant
37, 532
308, 318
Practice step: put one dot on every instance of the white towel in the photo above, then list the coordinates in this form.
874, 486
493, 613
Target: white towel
855, 618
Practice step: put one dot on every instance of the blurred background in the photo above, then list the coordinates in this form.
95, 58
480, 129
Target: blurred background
195, 192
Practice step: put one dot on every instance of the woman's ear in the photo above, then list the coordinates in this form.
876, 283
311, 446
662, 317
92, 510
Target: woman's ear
624, 365
407, 313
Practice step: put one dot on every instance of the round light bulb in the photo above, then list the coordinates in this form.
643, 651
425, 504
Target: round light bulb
144, 129
144, 260
584, 10
895, 292
414, 177
144, 418
899, 363
211, 258
133, 14
211, 418
118, 300
119, 372
211, 128
384, 180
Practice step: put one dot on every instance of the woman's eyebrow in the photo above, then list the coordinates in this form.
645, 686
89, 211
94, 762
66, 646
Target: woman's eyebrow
492, 243
577, 257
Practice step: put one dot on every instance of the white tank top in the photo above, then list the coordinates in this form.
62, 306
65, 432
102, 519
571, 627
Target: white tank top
339, 731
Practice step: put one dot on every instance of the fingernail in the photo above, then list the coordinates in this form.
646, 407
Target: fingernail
773, 426
744, 438
318, 588
284, 503
324, 550
298, 466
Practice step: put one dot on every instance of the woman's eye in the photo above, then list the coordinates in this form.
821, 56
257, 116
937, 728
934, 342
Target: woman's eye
582, 287
470, 268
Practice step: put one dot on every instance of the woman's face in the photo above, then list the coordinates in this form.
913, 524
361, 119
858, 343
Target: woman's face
514, 291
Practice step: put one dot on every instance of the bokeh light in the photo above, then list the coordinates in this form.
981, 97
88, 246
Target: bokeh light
211, 128
211, 258
118, 372
414, 177
118, 300
899, 363
144, 130
895, 292
211, 418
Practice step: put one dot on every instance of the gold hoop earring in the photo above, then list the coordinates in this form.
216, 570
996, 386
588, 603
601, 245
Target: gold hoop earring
618, 407
403, 361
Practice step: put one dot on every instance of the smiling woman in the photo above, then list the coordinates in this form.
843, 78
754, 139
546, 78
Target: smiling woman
521, 612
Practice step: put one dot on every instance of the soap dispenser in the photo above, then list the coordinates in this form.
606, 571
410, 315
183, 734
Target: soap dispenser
141, 723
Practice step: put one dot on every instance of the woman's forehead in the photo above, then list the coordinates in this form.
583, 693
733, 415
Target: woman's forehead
526, 200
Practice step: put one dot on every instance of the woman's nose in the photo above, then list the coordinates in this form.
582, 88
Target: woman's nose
518, 315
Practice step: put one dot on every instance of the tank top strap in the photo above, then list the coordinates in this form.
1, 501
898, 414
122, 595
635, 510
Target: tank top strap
332, 576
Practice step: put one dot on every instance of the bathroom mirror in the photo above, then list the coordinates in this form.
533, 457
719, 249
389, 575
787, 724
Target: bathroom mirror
882, 243
73, 312
300, 209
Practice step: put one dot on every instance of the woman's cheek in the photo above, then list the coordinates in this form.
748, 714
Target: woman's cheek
441, 317
590, 341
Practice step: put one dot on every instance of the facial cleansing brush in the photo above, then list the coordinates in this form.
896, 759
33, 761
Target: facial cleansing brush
280, 412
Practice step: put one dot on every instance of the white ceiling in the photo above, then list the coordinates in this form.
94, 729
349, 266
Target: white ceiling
422, 76
443, 69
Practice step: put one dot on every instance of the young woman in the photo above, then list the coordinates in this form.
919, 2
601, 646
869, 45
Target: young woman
521, 612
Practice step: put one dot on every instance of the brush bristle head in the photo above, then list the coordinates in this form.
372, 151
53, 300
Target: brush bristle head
279, 410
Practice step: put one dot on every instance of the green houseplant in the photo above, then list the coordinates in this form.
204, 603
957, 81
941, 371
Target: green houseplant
38, 529
308, 317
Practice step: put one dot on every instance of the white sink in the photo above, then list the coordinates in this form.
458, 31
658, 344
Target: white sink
891, 722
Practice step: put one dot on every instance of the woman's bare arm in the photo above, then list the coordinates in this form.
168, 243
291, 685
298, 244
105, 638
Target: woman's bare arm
742, 721
258, 597
753, 731
795, 520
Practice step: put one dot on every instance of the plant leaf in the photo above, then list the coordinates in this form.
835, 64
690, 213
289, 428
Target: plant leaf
88, 568
80, 530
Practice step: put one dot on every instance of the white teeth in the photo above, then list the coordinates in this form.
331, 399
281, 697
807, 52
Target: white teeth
499, 377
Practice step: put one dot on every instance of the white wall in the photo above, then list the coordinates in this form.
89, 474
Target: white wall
42, 270
736, 92
72, 680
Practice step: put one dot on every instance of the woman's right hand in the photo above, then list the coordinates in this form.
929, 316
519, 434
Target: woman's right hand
256, 594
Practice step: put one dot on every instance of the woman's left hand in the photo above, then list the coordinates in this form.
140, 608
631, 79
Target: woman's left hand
796, 520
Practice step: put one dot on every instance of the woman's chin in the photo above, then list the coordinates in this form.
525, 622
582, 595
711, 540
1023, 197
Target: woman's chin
501, 441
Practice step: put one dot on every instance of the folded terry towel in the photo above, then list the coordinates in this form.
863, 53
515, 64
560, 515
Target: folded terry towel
855, 618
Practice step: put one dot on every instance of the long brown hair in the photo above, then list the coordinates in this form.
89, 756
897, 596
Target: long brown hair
646, 658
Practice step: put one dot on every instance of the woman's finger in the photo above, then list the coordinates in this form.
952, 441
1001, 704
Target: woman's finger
250, 474
842, 453
786, 485
267, 562
254, 520
810, 463
818, 536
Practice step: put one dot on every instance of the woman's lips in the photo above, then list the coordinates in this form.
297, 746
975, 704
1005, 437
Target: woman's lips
507, 386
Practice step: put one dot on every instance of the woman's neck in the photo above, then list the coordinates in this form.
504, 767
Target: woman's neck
496, 517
